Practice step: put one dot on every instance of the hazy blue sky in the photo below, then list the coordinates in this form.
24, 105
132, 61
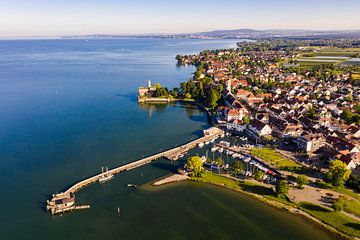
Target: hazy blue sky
58, 17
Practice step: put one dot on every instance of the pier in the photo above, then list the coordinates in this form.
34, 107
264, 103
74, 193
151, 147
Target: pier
54, 207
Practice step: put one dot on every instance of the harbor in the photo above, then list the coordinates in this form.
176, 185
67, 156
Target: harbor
65, 201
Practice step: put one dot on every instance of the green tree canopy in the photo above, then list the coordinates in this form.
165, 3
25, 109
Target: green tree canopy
259, 175
301, 180
246, 119
213, 98
282, 188
195, 165
337, 174
338, 205
219, 161
237, 167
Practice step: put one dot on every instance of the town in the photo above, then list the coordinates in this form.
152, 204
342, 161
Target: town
298, 103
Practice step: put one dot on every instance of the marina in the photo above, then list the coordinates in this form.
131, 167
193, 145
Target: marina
65, 201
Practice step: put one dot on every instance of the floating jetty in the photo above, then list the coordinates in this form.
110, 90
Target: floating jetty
65, 201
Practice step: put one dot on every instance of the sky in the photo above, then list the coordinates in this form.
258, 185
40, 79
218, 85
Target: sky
79, 17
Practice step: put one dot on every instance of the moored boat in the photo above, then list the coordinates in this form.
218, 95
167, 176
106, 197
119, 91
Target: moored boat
106, 175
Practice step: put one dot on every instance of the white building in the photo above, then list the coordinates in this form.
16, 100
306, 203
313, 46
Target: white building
259, 128
236, 125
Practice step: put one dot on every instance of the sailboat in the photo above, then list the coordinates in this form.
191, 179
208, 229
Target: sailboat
105, 176
118, 210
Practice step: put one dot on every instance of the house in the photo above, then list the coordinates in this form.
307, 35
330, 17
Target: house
236, 125
252, 99
243, 94
341, 144
352, 160
259, 128
310, 143
263, 117
238, 114
353, 131
289, 130
264, 95
325, 121
243, 83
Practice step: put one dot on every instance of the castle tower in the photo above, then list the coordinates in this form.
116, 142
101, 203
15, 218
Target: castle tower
149, 84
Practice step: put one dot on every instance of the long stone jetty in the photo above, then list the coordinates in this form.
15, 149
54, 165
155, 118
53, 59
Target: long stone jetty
56, 205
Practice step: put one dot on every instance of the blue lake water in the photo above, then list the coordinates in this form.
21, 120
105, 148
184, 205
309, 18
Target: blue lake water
68, 107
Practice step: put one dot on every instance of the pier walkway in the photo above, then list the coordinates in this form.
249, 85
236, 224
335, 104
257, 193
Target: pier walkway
172, 154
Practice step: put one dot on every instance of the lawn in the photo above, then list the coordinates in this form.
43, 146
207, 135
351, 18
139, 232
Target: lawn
339, 221
271, 156
243, 186
352, 206
246, 186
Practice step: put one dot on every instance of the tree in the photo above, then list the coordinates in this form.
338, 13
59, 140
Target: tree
354, 182
219, 161
237, 167
213, 98
157, 85
282, 188
346, 115
357, 108
195, 165
259, 175
302, 180
349, 97
246, 120
183, 87
188, 96
337, 174
312, 112
338, 205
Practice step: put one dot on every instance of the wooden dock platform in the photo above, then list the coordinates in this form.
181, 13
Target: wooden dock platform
171, 154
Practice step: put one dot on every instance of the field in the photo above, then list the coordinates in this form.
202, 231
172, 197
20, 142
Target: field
339, 221
328, 55
333, 51
274, 158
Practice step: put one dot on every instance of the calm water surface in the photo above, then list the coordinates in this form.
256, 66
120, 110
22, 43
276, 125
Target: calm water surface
68, 107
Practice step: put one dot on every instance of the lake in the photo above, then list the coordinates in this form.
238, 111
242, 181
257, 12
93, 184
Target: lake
69, 107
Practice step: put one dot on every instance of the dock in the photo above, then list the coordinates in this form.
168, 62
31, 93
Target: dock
171, 154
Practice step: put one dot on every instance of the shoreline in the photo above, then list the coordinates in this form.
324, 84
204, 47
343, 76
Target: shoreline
153, 100
173, 178
170, 179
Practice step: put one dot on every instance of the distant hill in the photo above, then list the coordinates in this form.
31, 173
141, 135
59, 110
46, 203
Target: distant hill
276, 33
242, 34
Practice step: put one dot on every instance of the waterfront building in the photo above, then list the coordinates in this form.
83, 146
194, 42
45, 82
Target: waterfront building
148, 91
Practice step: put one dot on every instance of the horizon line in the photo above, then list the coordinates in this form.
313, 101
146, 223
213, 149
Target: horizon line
171, 33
